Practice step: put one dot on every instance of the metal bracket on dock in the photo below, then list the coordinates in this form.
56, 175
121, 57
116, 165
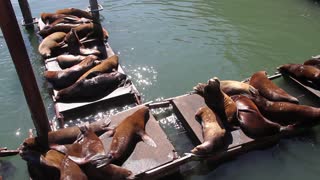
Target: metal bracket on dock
34, 21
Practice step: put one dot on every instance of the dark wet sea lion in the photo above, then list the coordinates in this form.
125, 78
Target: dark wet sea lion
286, 113
219, 102
125, 133
92, 87
313, 62
105, 66
68, 169
88, 151
66, 61
51, 44
66, 77
252, 122
304, 72
268, 89
212, 130
75, 12
66, 135
229, 87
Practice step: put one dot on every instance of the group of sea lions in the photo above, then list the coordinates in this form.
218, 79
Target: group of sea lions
78, 153
259, 107
86, 72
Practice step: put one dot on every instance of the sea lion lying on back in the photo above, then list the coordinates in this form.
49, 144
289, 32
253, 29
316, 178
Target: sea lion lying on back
229, 87
251, 120
75, 47
54, 159
268, 89
212, 130
51, 45
66, 77
93, 87
69, 60
88, 151
305, 72
286, 113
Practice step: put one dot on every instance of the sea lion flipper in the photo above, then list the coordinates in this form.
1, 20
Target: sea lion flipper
199, 88
147, 139
110, 131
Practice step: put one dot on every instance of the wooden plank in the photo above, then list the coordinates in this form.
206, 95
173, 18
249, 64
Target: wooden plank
144, 157
187, 107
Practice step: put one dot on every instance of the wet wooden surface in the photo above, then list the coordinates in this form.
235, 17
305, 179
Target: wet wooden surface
307, 86
144, 157
188, 106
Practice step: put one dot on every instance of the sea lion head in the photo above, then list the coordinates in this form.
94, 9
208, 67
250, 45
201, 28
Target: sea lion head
213, 86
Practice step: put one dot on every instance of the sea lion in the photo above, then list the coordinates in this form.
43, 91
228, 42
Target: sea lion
286, 113
268, 89
124, 135
66, 61
212, 131
108, 65
48, 18
75, 12
252, 122
66, 77
304, 72
66, 135
313, 62
219, 102
229, 87
54, 159
47, 30
94, 87
51, 45
88, 151
89, 31
75, 47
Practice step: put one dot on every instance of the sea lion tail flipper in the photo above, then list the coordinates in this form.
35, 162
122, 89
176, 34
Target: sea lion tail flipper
147, 139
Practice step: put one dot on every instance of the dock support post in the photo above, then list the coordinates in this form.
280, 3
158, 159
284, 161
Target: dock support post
26, 13
94, 10
20, 58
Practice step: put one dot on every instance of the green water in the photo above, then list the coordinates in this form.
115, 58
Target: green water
169, 46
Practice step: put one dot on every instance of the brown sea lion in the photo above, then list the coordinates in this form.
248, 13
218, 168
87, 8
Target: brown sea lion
219, 102
88, 151
89, 31
304, 72
68, 60
268, 89
66, 77
125, 133
47, 30
92, 87
48, 18
229, 87
108, 65
68, 169
66, 135
75, 12
313, 62
212, 130
252, 122
75, 47
286, 113
51, 45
